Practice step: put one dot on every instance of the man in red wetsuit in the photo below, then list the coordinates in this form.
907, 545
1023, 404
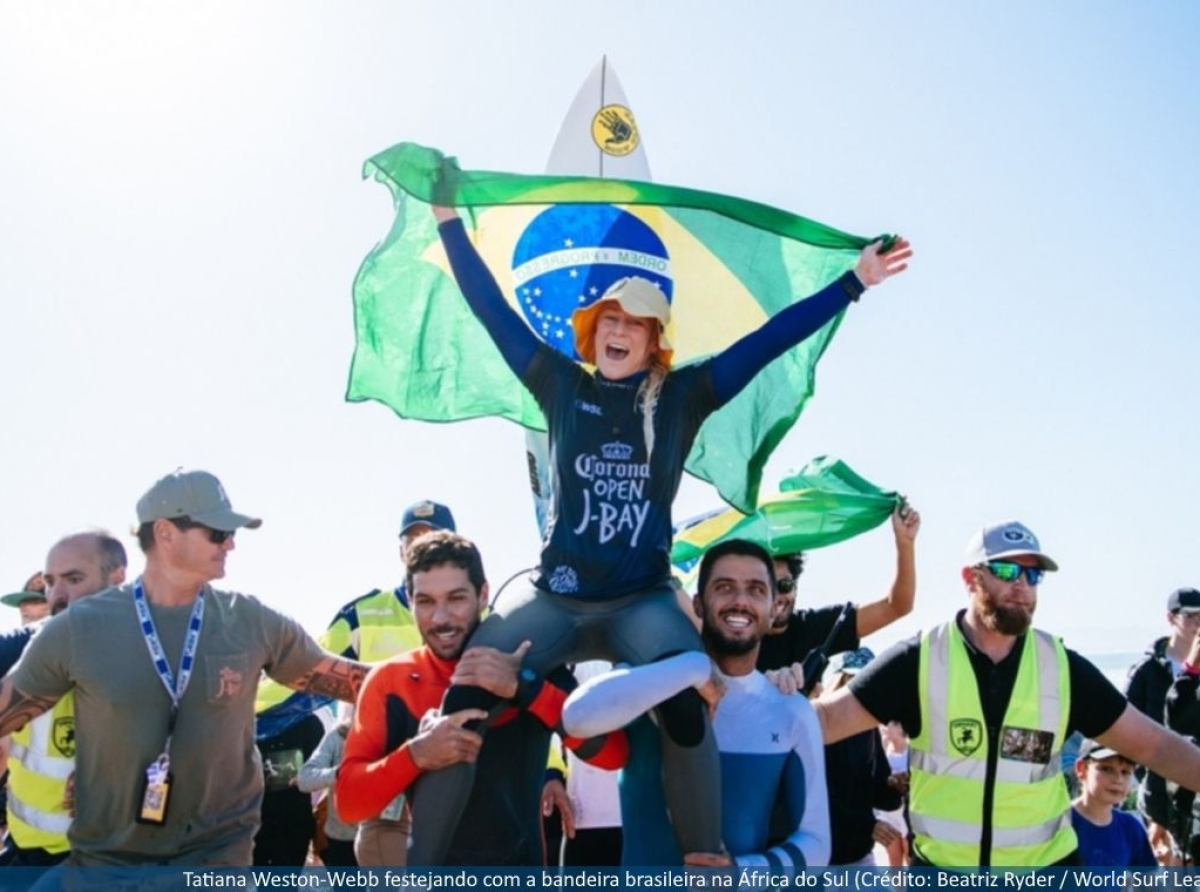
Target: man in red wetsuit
399, 734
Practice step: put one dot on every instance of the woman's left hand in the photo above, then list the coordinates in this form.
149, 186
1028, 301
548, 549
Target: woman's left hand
873, 267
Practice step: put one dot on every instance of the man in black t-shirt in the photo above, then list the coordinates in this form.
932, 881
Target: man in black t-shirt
981, 698
794, 634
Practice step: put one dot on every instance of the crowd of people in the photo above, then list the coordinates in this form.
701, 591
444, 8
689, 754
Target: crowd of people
864, 726
161, 721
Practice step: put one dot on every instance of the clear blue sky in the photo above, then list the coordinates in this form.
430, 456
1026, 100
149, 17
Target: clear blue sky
181, 218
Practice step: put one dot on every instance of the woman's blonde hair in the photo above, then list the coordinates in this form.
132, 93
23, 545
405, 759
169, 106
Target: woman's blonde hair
647, 397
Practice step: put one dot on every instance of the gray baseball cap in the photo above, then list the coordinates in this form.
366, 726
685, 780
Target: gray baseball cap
1002, 540
194, 494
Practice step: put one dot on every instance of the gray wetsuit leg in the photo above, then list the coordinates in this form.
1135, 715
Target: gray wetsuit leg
646, 630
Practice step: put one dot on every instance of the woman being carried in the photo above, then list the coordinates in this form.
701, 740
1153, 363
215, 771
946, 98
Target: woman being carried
619, 437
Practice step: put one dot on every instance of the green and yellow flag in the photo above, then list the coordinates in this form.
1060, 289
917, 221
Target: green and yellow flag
826, 502
555, 244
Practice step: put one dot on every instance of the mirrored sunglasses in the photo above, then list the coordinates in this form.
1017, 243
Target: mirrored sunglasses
1009, 571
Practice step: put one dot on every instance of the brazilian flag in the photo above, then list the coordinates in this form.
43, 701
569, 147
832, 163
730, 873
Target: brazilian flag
555, 244
823, 503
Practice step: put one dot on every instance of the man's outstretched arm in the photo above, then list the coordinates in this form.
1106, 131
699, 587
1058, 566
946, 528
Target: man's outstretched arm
842, 716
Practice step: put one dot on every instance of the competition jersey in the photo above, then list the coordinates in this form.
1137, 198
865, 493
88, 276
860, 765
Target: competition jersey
608, 531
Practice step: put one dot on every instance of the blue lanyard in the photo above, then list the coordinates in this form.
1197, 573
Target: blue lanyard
175, 687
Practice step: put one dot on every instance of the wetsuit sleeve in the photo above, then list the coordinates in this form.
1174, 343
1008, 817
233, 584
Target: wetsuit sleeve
320, 771
517, 344
371, 777
614, 699
609, 751
805, 798
734, 367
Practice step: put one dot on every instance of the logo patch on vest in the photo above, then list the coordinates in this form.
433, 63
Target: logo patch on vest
966, 735
1026, 744
63, 736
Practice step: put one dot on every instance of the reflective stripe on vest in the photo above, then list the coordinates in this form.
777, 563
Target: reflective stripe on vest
1030, 819
41, 760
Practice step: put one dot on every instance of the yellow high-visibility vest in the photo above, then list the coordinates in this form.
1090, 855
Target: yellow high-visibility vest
949, 760
41, 759
385, 628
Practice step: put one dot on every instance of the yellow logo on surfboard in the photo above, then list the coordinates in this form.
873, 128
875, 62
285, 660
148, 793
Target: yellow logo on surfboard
614, 131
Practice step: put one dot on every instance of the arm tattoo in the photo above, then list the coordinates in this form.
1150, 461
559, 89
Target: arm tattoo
17, 709
334, 677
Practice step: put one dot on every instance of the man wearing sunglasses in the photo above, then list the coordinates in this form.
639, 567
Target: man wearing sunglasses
794, 633
164, 673
988, 702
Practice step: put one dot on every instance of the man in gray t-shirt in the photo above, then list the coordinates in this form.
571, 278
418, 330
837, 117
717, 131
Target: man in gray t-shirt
164, 674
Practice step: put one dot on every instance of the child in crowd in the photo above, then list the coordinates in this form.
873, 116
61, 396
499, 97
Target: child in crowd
1108, 837
319, 773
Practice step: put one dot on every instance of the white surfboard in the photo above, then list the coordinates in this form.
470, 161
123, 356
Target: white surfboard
599, 137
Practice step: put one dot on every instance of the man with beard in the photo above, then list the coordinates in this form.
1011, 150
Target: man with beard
42, 755
370, 629
398, 734
988, 703
769, 743
794, 633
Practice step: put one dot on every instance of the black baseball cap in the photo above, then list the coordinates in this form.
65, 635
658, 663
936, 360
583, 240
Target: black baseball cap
1183, 599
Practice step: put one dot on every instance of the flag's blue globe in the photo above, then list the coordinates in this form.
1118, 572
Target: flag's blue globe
569, 255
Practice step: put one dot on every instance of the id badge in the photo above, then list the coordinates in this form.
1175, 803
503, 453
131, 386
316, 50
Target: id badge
156, 793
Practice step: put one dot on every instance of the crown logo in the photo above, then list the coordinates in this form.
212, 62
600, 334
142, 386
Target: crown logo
617, 451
